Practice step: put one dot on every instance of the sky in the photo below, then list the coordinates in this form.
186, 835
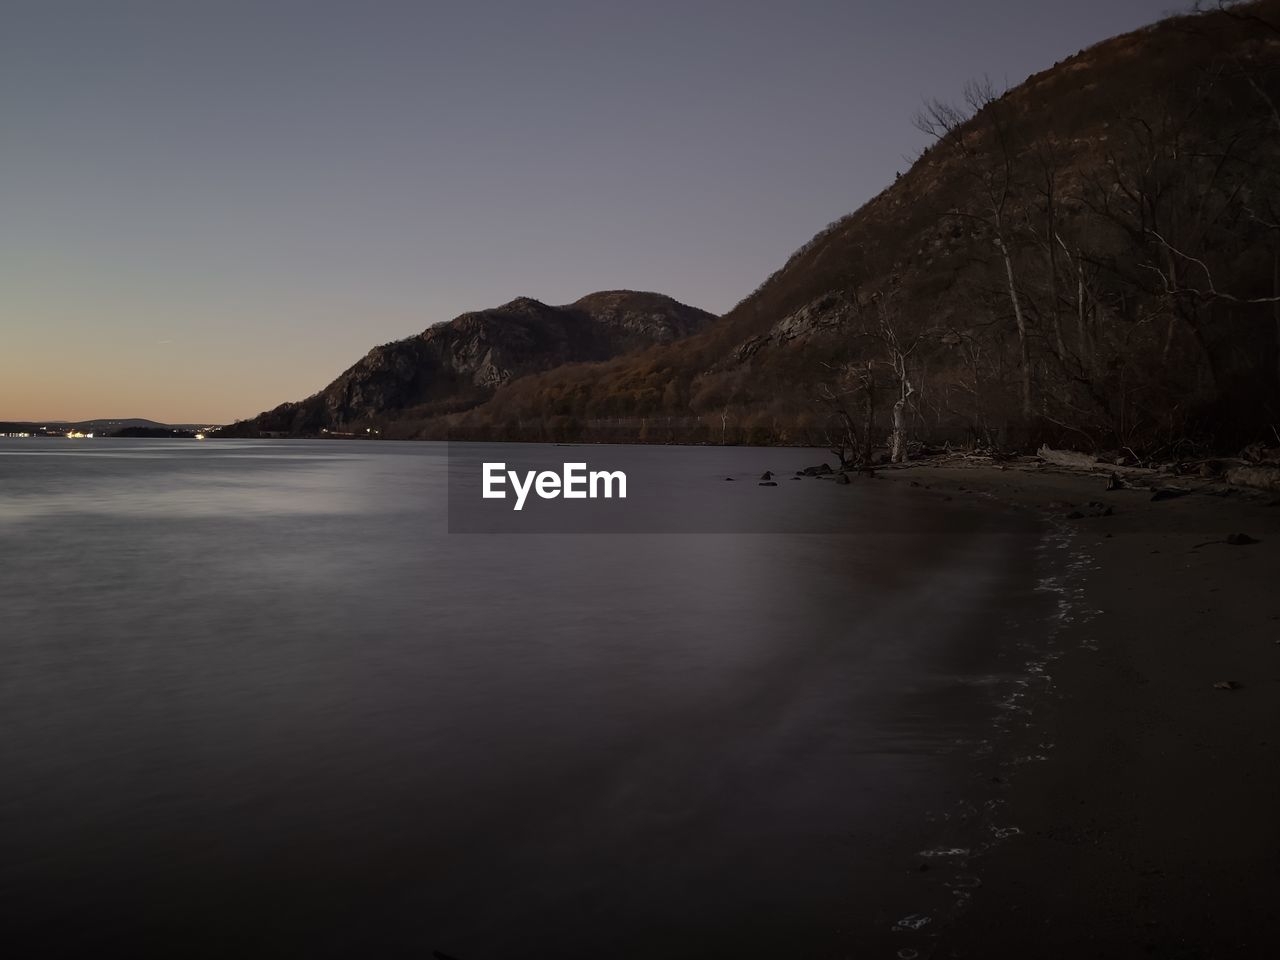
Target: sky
208, 208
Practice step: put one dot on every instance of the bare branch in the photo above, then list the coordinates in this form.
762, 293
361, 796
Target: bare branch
1213, 293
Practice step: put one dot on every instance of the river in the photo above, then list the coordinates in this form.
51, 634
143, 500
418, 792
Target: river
268, 698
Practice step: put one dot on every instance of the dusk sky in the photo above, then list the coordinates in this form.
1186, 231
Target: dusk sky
213, 207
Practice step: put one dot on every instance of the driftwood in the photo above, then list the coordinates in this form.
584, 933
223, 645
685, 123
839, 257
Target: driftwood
1069, 458
1074, 460
1236, 472
1260, 453
1259, 477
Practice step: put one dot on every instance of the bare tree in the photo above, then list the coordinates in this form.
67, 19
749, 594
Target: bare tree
981, 134
868, 378
899, 350
1048, 164
834, 394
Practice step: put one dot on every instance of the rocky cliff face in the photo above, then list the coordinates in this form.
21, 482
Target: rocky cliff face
822, 317
456, 365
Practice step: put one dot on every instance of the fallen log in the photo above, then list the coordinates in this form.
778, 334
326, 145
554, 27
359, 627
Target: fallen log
1074, 460
1258, 477
1068, 458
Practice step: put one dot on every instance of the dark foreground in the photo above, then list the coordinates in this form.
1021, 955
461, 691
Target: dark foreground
1151, 826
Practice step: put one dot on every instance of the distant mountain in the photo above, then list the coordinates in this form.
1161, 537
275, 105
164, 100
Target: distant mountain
101, 422
110, 424
456, 365
104, 425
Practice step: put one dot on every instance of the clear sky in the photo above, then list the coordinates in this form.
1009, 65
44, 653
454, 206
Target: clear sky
212, 207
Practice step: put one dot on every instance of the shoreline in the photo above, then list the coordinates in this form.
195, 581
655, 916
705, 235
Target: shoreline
1143, 798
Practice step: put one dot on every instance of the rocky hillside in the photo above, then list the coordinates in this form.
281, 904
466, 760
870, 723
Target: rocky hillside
456, 365
1092, 257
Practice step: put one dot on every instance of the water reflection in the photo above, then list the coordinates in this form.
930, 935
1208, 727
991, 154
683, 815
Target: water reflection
253, 697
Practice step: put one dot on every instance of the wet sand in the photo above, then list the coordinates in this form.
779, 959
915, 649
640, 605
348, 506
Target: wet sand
1144, 801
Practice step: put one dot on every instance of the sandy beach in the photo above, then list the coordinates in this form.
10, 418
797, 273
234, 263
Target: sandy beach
1143, 780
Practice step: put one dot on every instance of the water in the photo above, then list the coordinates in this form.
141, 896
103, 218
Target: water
255, 699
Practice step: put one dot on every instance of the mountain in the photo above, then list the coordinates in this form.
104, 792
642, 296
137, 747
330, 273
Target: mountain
456, 365
137, 427
1092, 258
102, 425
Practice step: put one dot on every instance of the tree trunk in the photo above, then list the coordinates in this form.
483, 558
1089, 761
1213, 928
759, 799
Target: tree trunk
1024, 352
849, 441
868, 413
1170, 330
1081, 332
1275, 291
898, 447
898, 442
1053, 282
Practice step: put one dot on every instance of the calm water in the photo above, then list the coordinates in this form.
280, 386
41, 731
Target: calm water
255, 699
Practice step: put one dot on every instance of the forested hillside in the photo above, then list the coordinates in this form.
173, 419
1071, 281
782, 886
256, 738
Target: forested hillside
1092, 257
456, 365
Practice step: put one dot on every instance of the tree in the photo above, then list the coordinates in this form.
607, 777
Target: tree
899, 351
981, 134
